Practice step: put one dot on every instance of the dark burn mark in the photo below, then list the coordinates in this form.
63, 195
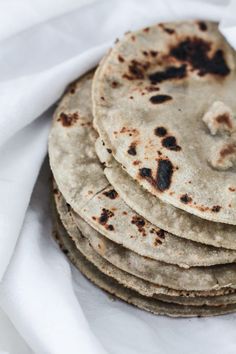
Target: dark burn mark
114, 84
153, 53
169, 30
145, 53
152, 88
112, 194
146, 29
160, 99
136, 162
68, 119
170, 143
216, 208
202, 26
161, 233
110, 227
224, 119
140, 223
232, 189
160, 131
109, 151
157, 242
136, 69
185, 199
145, 172
132, 149
164, 174
228, 150
195, 52
170, 73
121, 59
105, 215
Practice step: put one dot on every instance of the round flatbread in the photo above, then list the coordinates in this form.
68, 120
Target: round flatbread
81, 179
164, 103
171, 276
111, 286
161, 214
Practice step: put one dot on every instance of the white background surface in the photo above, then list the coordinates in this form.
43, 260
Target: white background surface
40, 59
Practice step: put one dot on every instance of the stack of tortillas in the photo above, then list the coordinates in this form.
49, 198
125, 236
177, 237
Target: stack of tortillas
143, 155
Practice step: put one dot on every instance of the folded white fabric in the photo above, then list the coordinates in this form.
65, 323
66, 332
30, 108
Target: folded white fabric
55, 309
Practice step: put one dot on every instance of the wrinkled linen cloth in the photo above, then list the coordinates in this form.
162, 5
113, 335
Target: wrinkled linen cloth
54, 308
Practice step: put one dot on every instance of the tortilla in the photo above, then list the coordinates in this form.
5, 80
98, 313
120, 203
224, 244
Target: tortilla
111, 286
161, 214
193, 279
81, 180
154, 103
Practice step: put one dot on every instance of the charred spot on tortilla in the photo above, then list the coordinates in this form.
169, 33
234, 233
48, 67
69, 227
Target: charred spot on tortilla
145, 172
152, 88
157, 242
164, 174
136, 162
112, 194
110, 227
160, 131
153, 53
68, 120
170, 73
114, 84
105, 215
195, 52
166, 29
140, 223
216, 208
202, 26
161, 233
169, 30
224, 119
137, 69
170, 143
121, 59
185, 198
146, 29
160, 99
132, 149
109, 151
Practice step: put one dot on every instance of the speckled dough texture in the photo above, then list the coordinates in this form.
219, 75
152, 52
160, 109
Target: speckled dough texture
150, 94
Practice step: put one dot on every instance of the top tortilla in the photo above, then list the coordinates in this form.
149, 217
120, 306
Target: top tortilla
79, 176
168, 76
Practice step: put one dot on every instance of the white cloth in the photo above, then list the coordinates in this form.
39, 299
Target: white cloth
53, 307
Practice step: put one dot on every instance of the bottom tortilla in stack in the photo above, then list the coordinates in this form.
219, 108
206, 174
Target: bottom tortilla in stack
124, 253
110, 285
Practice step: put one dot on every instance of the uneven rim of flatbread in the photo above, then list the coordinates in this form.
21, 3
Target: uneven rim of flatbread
86, 247
163, 215
112, 287
67, 164
170, 276
115, 118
